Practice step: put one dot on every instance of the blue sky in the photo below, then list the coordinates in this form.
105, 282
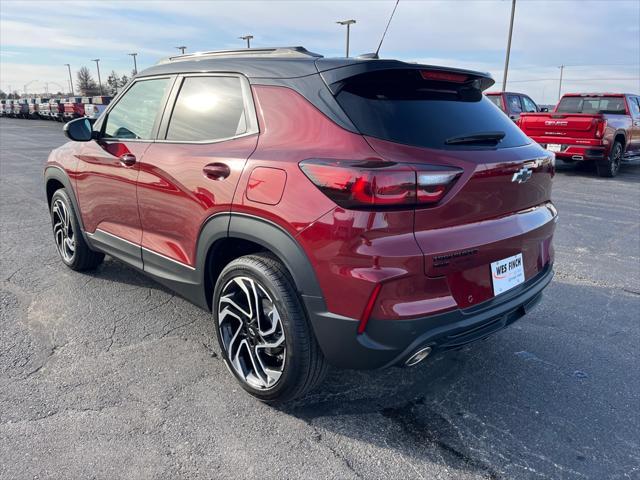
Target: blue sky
599, 40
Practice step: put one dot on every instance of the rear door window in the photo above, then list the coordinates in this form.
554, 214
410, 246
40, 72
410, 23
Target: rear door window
136, 113
529, 106
634, 106
496, 100
612, 105
208, 109
401, 106
514, 104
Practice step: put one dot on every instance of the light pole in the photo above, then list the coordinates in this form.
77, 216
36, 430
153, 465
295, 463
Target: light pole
182, 49
97, 60
506, 61
248, 39
135, 65
561, 67
348, 23
70, 80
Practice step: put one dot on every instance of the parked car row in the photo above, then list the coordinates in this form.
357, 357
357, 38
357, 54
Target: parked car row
60, 109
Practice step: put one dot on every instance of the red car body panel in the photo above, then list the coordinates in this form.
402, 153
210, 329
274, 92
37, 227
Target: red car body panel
172, 180
106, 189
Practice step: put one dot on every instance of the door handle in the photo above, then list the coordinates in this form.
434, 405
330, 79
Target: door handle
216, 171
127, 159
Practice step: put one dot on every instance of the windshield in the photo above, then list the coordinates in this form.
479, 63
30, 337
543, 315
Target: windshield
402, 106
613, 105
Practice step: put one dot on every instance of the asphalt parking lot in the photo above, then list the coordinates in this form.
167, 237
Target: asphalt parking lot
109, 375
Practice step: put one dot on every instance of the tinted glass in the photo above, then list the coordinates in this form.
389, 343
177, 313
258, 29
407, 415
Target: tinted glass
528, 104
514, 103
614, 105
208, 108
135, 114
401, 106
496, 100
634, 106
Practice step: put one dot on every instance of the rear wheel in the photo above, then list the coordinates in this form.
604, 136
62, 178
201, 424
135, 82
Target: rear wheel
263, 331
73, 249
611, 166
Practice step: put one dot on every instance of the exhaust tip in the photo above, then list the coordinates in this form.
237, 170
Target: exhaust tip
417, 357
577, 157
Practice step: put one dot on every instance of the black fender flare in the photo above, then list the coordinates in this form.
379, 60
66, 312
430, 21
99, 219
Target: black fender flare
53, 172
623, 134
276, 239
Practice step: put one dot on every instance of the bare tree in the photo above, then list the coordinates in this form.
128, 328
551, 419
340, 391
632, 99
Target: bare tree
86, 83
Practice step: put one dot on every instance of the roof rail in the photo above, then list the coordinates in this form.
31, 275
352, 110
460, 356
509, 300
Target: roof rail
283, 52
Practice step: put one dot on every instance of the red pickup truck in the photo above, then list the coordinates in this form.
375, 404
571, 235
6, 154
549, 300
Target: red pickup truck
603, 127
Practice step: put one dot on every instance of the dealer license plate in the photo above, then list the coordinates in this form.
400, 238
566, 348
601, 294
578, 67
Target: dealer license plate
507, 274
554, 147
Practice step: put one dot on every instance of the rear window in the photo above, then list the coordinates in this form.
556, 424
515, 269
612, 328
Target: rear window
496, 100
613, 105
401, 106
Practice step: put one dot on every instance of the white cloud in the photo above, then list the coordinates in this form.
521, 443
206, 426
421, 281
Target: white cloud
467, 34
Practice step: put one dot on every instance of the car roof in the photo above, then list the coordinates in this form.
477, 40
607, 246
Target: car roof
507, 93
599, 94
278, 62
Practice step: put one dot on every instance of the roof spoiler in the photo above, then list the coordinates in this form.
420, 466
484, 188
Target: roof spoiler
333, 76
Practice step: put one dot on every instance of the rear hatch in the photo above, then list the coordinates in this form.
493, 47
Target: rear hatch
560, 125
498, 203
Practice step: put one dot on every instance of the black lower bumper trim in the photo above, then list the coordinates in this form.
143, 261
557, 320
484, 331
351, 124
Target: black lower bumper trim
391, 342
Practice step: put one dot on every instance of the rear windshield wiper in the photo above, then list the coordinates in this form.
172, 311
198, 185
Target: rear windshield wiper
485, 138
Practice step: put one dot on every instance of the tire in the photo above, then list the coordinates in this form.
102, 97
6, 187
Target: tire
291, 364
611, 166
73, 250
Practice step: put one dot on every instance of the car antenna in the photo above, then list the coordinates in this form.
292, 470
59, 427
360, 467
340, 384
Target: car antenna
375, 55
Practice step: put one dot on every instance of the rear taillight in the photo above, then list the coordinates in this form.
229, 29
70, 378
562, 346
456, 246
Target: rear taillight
600, 128
374, 183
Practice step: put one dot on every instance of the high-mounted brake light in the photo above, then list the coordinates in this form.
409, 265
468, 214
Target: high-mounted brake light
374, 183
443, 76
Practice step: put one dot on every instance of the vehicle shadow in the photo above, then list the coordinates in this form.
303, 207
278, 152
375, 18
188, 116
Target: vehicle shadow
514, 405
533, 400
629, 170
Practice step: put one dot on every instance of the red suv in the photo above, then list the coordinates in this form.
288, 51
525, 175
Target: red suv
357, 212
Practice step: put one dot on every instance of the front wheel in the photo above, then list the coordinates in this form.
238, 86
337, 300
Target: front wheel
263, 330
611, 166
73, 249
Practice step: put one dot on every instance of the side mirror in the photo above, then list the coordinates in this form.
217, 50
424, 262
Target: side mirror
544, 109
79, 130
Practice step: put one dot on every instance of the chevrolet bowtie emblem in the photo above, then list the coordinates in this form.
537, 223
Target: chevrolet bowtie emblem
522, 175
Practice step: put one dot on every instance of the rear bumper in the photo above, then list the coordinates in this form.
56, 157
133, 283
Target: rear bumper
596, 150
392, 342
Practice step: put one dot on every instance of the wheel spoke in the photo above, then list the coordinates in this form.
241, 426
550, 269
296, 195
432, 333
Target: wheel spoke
252, 333
234, 336
63, 230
